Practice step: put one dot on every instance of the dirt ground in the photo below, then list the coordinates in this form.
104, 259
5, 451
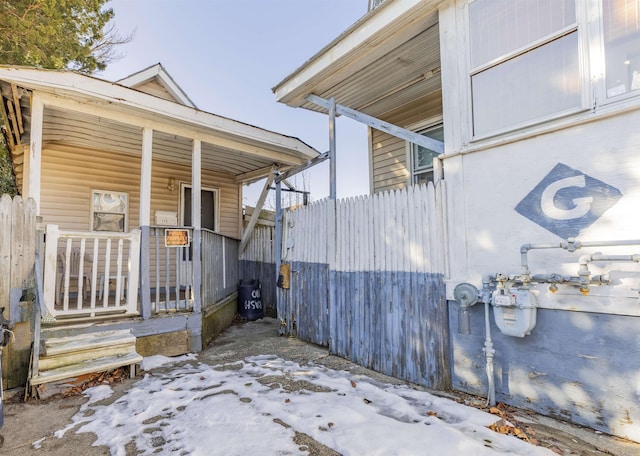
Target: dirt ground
29, 427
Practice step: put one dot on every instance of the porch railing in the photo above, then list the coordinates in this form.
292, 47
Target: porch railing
170, 273
171, 281
219, 266
87, 274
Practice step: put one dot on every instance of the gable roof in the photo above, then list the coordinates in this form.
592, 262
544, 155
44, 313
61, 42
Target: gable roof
157, 74
91, 104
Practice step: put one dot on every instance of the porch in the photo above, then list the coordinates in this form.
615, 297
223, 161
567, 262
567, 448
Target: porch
93, 276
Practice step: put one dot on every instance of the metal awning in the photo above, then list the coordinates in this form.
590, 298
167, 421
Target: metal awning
389, 58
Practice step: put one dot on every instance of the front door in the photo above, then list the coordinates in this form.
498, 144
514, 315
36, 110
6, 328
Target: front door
208, 207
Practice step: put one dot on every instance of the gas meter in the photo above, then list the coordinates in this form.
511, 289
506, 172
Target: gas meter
514, 311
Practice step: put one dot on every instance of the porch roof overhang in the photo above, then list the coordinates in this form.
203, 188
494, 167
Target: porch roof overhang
83, 111
388, 59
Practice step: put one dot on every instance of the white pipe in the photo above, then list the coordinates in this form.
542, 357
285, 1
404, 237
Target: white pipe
585, 273
571, 245
489, 352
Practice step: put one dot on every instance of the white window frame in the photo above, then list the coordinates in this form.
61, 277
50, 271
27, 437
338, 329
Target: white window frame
598, 56
93, 210
216, 199
589, 20
419, 127
524, 50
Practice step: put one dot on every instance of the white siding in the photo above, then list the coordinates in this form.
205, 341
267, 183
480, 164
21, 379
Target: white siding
483, 198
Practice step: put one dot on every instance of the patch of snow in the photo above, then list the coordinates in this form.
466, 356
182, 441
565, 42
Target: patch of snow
153, 362
204, 410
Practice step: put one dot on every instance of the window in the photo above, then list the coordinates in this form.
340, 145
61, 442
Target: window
621, 38
109, 211
422, 157
524, 62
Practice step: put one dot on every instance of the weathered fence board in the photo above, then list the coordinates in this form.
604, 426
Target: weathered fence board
17, 245
17, 279
367, 280
258, 261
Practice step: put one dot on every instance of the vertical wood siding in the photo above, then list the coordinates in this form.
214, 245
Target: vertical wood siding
258, 261
368, 281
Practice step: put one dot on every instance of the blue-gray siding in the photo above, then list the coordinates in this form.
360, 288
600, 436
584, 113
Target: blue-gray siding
574, 365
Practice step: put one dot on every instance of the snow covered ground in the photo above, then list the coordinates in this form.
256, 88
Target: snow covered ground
183, 407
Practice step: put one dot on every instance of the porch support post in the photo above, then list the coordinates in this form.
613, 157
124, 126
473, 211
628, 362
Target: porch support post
34, 156
196, 220
332, 148
145, 222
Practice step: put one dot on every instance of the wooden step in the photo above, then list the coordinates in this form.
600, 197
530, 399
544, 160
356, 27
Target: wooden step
86, 367
73, 357
67, 357
84, 342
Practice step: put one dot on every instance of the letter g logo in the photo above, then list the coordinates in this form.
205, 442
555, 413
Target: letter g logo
581, 205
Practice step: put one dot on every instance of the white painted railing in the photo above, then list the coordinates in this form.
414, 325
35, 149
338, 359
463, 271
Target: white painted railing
88, 274
219, 266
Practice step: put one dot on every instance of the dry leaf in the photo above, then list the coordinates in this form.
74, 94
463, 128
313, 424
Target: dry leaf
353, 384
495, 411
286, 401
330, 424
431, 413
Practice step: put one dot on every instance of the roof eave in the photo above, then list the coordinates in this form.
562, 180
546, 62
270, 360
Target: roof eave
113, 93
365, 41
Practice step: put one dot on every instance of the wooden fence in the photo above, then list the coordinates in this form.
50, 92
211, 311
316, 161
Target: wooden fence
18, 242
17, 247
258, 261
367, 279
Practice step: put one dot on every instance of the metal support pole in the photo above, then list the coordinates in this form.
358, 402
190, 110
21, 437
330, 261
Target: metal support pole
280, 300
278, 227
332, 148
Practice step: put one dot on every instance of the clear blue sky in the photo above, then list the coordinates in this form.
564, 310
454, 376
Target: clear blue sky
228, 54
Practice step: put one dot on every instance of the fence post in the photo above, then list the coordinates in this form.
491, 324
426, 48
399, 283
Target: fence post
17, 242
5, 248
331, 221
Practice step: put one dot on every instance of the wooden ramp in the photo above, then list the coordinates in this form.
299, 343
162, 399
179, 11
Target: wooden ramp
63, 358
